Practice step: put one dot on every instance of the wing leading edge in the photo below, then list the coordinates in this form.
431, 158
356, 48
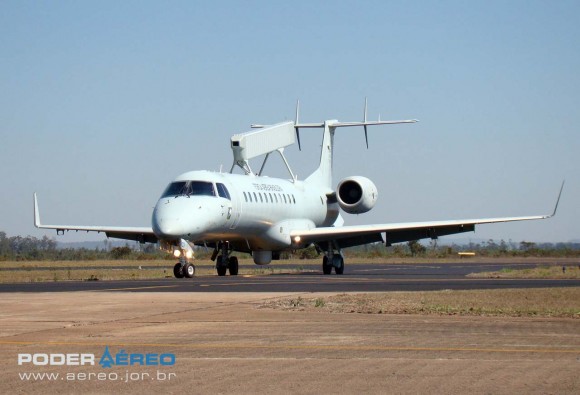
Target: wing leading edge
140, 234
349, 236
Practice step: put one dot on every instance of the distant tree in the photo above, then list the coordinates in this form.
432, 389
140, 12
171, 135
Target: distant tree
121, 252
4, 245
503, 247
416, 247
307, 253
527, 246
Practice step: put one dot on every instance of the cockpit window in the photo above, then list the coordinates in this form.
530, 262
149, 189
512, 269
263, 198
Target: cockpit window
189, 188
223, 191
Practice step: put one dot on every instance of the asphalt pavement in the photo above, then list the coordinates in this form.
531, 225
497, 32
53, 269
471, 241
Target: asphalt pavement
356, 278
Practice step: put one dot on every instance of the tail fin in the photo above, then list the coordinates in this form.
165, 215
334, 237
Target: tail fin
323, 174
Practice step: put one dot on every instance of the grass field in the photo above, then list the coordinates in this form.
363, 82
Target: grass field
543, 302
41, 271
539, 272
44, 271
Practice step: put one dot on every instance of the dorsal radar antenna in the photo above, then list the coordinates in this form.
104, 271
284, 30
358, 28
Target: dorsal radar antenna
276, 137
336, 124
266, 140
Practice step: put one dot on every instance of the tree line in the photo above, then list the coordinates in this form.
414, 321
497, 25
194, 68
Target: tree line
29, 248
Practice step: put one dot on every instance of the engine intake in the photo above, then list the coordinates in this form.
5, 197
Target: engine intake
356, 195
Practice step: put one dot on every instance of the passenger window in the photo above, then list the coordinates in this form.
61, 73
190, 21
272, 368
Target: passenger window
250, 196
276, 198
255, 197
246, 197
293, 199
261, 200
285, 199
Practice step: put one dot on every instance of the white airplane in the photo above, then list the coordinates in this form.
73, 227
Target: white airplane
264, 216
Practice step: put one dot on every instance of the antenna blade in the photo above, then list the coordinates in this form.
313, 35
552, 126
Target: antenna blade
365, 123
298, 138
366, 103
296, 122
366, 136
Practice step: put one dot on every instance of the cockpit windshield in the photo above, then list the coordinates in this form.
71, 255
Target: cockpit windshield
189, 188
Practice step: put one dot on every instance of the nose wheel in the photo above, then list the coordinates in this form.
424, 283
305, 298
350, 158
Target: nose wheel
178, 270
183, 269
188, 270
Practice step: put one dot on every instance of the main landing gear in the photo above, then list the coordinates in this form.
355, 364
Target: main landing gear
224, 262
332, 260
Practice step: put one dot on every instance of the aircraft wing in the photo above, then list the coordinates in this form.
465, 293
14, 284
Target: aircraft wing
140, 234
349, 236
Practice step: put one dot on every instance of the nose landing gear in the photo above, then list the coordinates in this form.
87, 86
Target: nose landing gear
183, 269
183, 250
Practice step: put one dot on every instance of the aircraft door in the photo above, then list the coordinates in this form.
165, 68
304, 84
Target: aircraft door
234, 208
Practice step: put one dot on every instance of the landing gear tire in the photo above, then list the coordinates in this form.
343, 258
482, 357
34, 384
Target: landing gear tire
221, 266
326, 265
188, 270
178, 270
338, 263
233, 266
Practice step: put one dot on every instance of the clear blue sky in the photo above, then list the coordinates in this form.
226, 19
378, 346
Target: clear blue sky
103, 103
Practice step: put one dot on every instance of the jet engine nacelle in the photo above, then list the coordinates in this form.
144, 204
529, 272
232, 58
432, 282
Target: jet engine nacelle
356, 195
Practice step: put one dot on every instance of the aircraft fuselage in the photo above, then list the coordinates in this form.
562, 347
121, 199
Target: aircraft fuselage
250, 212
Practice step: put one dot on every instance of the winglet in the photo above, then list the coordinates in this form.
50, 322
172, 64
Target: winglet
558, 201
36, 213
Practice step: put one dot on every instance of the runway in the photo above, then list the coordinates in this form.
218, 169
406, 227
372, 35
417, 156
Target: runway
226, 339
357, 278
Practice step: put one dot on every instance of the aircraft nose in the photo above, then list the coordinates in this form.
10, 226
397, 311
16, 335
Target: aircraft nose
168, 227
167, 222
180, 218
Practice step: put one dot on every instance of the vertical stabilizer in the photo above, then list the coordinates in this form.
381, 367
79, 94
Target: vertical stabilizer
323, 175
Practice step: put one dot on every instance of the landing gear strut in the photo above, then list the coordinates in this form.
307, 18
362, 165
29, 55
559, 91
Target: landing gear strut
184, 251
224, 262
332, 260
